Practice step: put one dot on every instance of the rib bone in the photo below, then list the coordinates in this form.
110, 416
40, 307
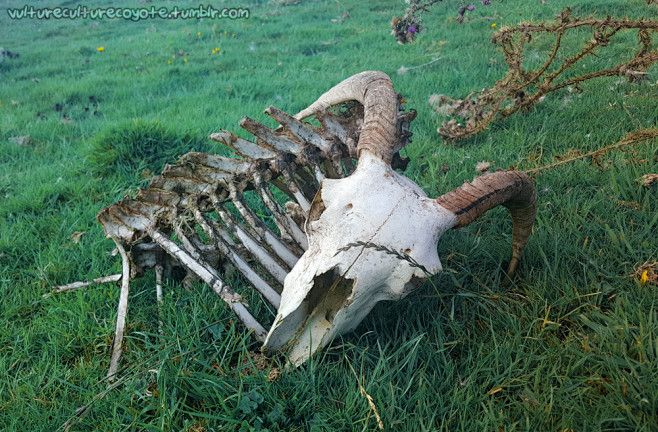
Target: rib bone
234, 300
258, 283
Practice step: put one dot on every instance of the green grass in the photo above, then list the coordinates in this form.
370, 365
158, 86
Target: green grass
571, 344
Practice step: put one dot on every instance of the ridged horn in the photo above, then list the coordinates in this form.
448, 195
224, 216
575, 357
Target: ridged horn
512, 189
374, 90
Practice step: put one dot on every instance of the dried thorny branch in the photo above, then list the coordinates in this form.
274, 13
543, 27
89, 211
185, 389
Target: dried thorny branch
630, 139
405, 28
523, 87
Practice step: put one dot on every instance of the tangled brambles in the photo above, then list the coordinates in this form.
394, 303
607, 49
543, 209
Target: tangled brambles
523, 86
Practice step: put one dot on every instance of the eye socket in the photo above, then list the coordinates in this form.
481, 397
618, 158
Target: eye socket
330, 293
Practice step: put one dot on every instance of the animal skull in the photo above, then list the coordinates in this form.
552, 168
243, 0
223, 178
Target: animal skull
365, 234
356, 221
341, 276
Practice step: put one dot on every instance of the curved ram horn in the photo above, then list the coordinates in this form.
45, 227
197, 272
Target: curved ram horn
512, 189
374, 90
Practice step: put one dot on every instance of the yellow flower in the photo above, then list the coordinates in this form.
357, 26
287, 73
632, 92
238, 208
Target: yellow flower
493, 25
185, 60
171, 41
169, 61
225, 33
645, 278
100, 49
198, 34
233, 34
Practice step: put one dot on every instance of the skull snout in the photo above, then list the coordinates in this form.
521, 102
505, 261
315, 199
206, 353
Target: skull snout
311, 325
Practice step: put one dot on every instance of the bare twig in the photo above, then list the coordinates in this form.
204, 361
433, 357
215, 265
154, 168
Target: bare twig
404, 69
121, 312
82, 284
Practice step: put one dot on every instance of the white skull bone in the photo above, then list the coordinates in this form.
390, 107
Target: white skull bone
334, 286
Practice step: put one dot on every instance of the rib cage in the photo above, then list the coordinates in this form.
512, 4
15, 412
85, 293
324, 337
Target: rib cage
160, 227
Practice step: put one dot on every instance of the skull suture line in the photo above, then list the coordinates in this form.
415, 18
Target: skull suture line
323, 256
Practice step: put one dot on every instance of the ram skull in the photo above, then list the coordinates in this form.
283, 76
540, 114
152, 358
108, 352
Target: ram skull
349, 237
355, 222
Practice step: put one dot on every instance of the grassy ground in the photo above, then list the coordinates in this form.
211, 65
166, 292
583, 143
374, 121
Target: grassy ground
572, 344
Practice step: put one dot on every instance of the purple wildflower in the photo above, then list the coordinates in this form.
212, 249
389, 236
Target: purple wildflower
460, 14
486, 2
412, 29
471, 8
